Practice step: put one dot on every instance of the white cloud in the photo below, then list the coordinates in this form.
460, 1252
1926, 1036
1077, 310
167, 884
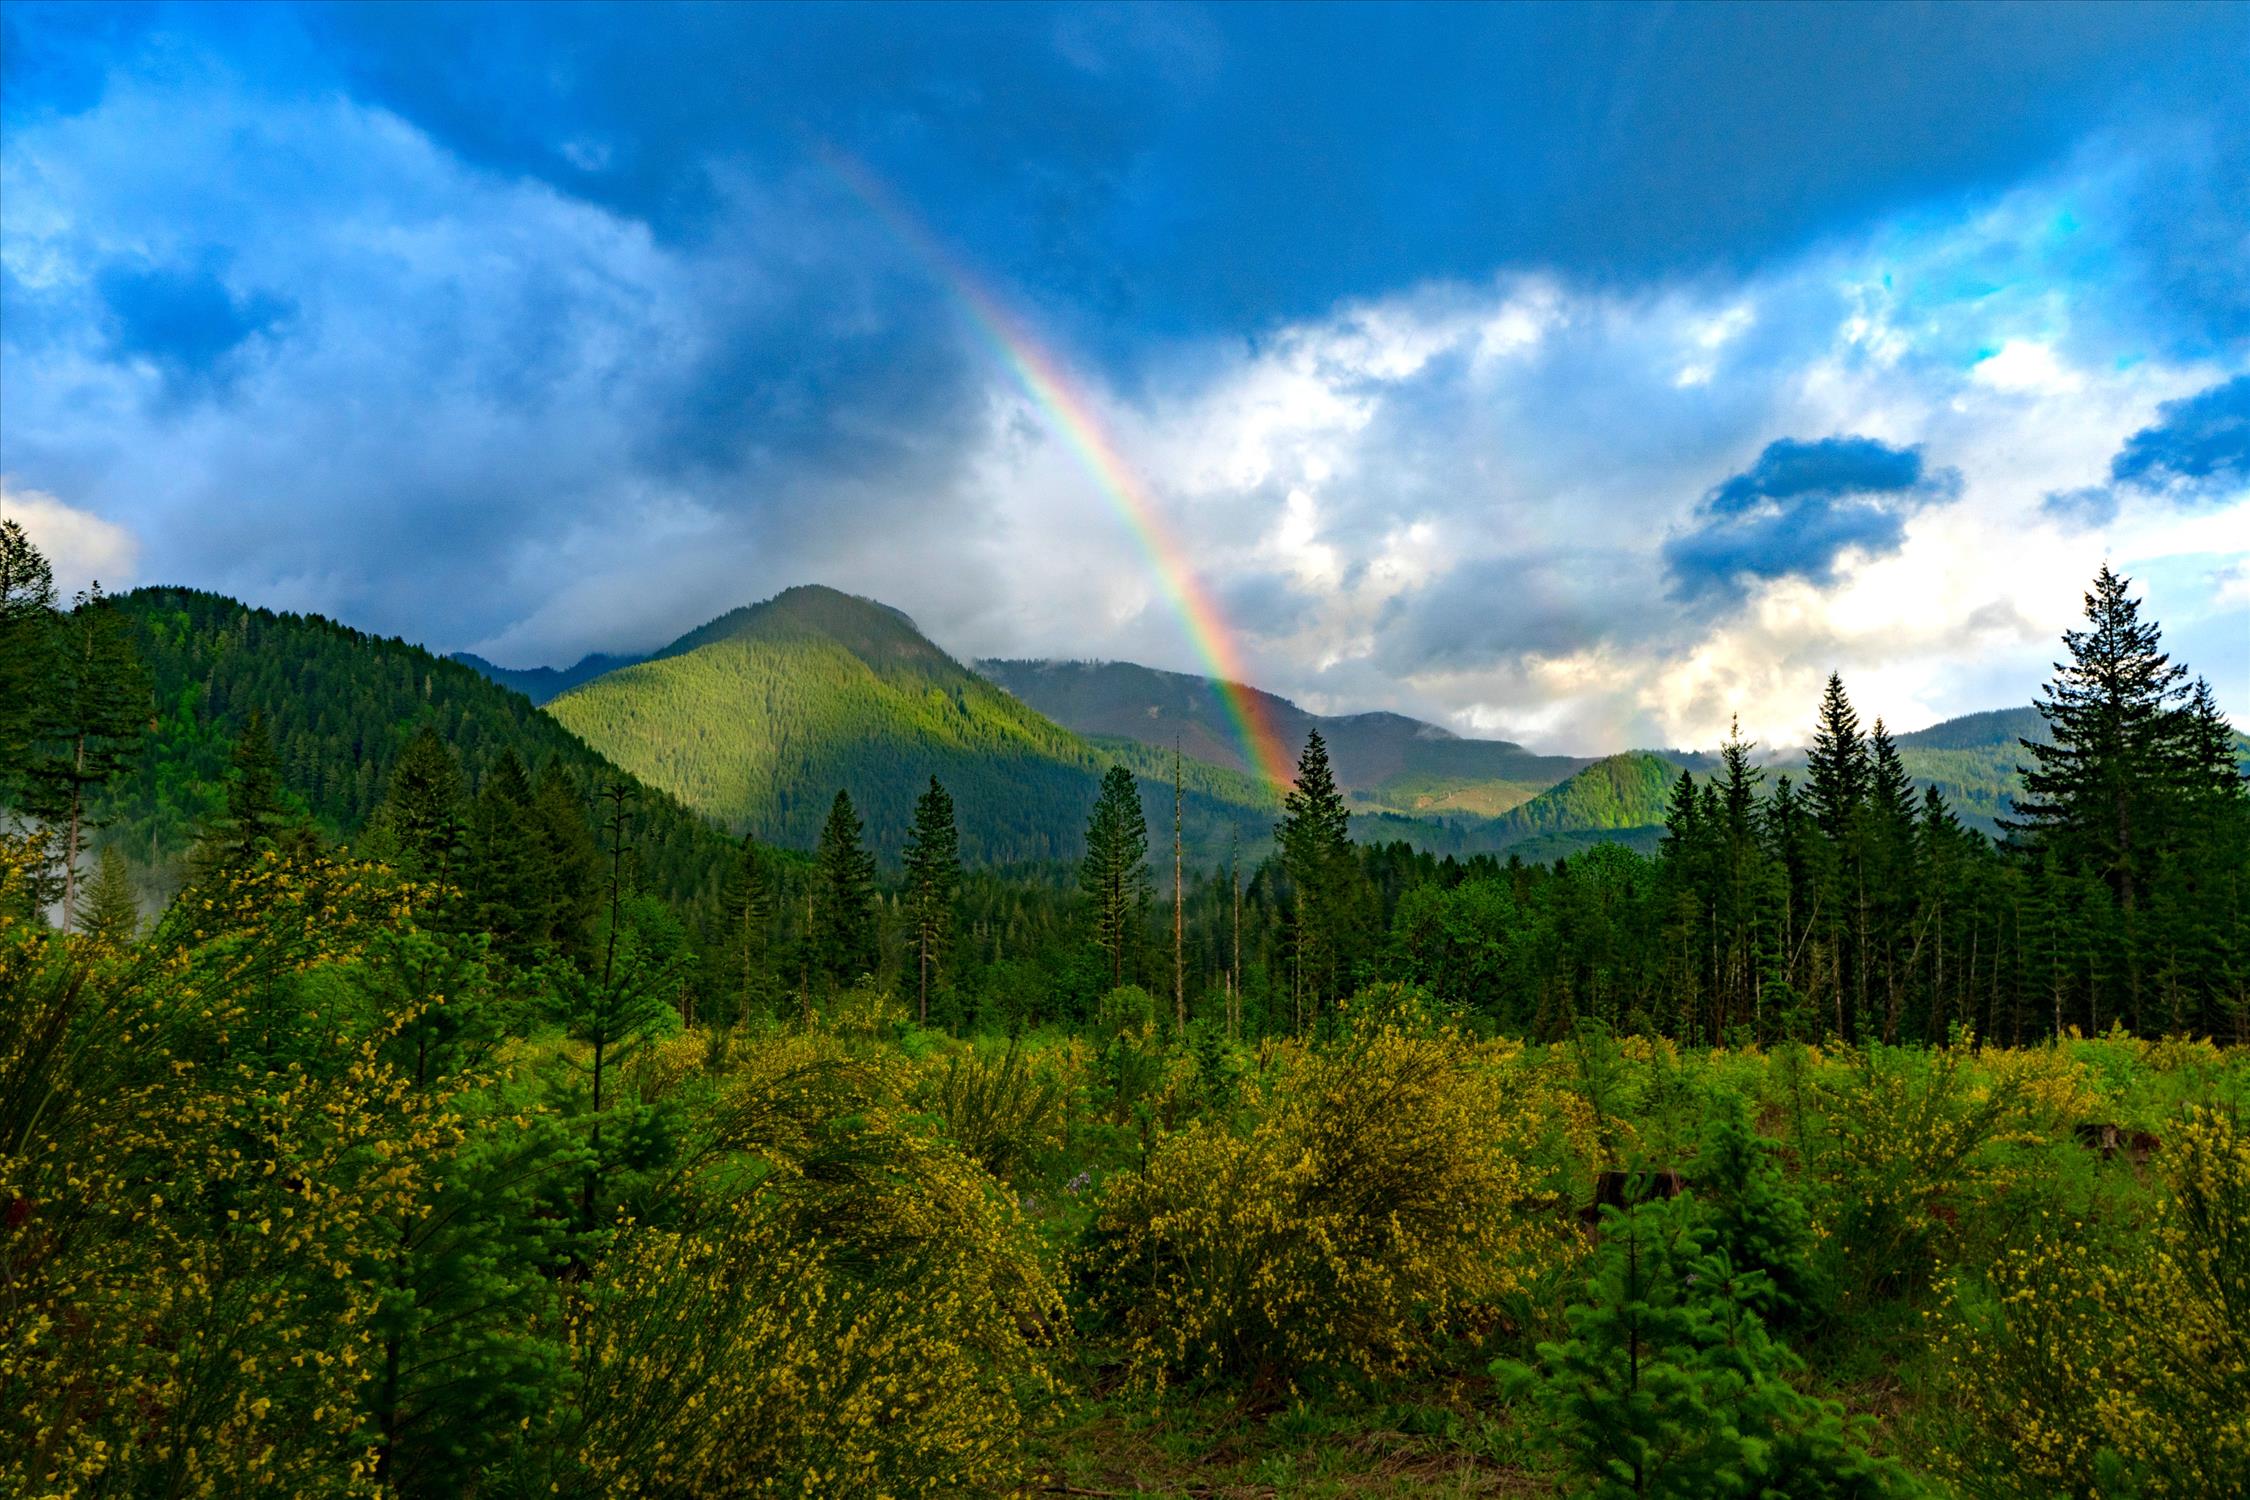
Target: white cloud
80, 546
2028, 367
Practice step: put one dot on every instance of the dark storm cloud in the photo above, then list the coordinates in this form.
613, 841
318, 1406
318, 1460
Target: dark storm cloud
185, 321
1796, 510
2201, 443
2198, 449
547, 323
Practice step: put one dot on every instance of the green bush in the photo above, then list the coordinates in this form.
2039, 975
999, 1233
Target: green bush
1670, 1387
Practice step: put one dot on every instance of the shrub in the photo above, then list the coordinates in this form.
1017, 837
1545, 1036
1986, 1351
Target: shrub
1001, 1111
849, 1306
1368, 1208
1670, 1386
2118, 1364
1755, 1218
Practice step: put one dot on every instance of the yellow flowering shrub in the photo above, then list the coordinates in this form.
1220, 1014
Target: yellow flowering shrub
197, 1219
844, 1304
2120, 1366
1372, 1204
1920, 1144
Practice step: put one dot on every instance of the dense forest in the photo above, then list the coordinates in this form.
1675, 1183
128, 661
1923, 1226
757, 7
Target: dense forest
472, 1118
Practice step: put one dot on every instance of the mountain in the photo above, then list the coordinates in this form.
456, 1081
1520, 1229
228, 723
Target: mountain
1616, 792
340, 704
1385, 760
757, 718
539, 684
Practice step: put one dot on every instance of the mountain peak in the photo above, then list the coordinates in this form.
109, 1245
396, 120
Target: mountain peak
871, 630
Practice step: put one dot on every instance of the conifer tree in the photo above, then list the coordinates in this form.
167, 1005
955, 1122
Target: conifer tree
933, 874
1838, 780
112, 916
91, 712
28, 636
2098, 796
1670, 1385
257, 815
422, 819
747, 914
1314, 839
1114, 873
564, 863
1890, 849
1837, 773
843, 906
505, 884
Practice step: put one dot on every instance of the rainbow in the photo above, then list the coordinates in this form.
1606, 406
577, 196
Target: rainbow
1072, 417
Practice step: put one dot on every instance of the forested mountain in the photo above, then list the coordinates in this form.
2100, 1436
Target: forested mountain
1384, 759
542, 683
339, 705
757, 718
1617, 799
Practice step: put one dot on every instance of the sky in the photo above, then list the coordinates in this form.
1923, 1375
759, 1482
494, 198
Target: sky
1587, 376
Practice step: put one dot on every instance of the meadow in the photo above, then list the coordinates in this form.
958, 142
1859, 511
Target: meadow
273, 1227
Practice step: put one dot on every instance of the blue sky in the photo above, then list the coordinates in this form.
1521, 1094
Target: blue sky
1581, 374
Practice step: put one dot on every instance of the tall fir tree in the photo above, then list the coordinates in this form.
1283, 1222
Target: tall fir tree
257, 816
28, 638
1838, 779
422, 822
505, 881
1314, 839
87, 727
2100, 794
1114, 873
1890, 849
745, 937
565, 864
933, 876
845, 941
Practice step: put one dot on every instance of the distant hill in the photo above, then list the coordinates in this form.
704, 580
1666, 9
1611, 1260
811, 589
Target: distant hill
542, 683
340, 704
1618, 798
1386, 760
757, 718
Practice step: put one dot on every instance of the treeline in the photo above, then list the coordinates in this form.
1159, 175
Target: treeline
1834, 902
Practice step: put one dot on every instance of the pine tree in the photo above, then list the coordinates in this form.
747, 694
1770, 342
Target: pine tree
257, 816
28, 638
1945, 853
1891, 852
1314, 838
422, 821
1114, 873
1744, 897
504, 884
1839, 779
90, 717
843, 908
746, 906
113, 913
2099, 796
563, 864
933, 874
1670, 1387
1837, 774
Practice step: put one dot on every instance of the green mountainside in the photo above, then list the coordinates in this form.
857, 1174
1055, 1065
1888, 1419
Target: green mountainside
1385, 760
1619, 799
756, 719
340, 704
